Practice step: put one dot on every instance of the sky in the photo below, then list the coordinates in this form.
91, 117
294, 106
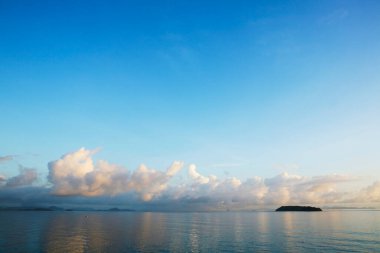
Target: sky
250, 101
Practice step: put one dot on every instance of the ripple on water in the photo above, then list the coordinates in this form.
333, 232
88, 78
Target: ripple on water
189, 232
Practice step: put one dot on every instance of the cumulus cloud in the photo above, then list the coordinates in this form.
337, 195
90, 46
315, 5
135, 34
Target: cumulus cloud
77, 174
281, 189
196, 176
26, 177
77, 178
369, 194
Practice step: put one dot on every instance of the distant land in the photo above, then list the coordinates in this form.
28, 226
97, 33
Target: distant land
55, 208
298, 209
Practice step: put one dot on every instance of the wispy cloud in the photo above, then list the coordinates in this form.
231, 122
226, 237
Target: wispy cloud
225, 165
334, 17
6, 158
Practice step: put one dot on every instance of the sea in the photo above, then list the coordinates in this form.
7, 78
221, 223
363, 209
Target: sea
256, 231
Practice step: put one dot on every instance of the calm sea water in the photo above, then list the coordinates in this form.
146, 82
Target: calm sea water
328, 231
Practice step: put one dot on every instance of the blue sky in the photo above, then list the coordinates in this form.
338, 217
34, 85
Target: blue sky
239, 88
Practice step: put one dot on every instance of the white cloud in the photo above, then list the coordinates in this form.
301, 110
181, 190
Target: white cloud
369, 194
77, 174
281, 189
196, 176
79, 177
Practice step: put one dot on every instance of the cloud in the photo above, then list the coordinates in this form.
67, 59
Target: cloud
77, 174
77, 179
26, 177
196, 176
369, 194
281, 189
6, 158
334, 17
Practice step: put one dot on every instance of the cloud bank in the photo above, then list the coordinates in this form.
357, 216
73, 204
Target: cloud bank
77, 178
77, 174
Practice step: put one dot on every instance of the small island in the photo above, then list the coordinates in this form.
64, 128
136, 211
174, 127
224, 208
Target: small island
298, 209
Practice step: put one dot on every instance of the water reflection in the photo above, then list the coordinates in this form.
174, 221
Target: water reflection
73, 233
89, 232
290, 231
194, 234
188, 232
261, 225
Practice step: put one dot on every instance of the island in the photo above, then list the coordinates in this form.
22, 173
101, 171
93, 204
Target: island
298, 209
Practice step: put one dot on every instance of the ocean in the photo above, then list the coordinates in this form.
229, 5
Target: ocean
84, 231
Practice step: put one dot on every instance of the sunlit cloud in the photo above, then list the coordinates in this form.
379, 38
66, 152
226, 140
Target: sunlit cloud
77, 174
77, 178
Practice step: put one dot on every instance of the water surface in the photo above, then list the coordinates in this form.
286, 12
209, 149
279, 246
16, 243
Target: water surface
60, 231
